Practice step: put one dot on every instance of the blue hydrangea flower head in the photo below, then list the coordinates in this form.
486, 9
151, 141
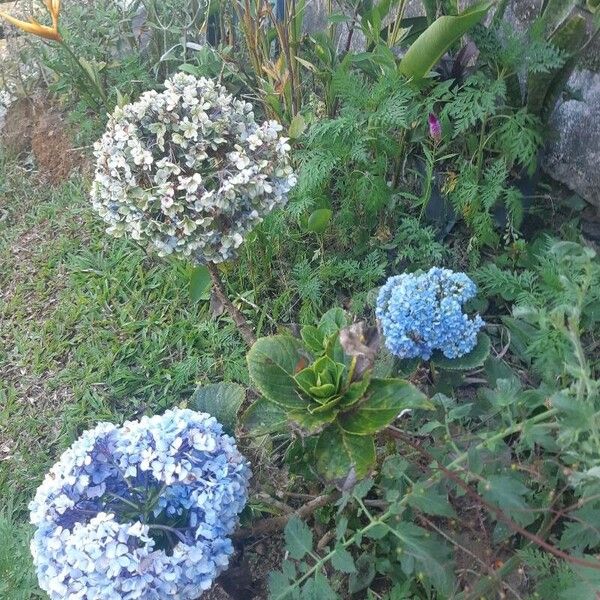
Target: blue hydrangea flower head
420, 313
142, 511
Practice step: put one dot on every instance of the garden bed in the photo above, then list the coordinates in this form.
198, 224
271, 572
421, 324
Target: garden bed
336, 239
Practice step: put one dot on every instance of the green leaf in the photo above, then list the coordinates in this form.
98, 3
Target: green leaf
221, 400
385, 399
297, 127
506, 393
279, 586
355, 392
199, 282
522, 335
508, 493
365, 574
362, 488
582, 533
431, 555
342, 560
584, 584
318, 588
314, 421
543, 89
437, 39
430, 502
338, 18
265, 417
319, 220
332, 321
474, 359
298, 538
272, 363
337, 453
313, 338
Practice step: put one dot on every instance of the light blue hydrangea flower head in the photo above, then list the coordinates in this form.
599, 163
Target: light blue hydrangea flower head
142, 511
420, 313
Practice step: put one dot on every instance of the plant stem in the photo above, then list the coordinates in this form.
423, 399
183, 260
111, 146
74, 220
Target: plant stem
274, 524
238, 318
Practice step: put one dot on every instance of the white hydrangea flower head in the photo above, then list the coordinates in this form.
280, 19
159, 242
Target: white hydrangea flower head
189, 170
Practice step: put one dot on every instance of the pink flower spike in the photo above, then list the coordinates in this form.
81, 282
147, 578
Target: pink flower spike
435, 128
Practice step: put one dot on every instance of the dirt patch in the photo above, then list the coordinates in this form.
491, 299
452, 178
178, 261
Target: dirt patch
31, 125
17, 131
53, 149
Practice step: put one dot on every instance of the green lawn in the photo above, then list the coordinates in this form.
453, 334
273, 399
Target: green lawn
91, 329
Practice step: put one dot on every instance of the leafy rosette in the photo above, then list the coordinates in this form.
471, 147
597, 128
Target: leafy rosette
322, 387
140, 511
189, 170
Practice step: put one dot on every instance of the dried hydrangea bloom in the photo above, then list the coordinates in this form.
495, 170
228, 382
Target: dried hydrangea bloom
140, 511
189, 170
420, 313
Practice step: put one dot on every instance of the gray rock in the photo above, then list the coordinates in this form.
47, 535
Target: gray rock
573, 155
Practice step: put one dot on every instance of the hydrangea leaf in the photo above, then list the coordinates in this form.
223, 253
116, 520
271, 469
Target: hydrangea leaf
313, 338
312, 422
385, 399
272, 364
355, 392
472, 360
332, 321
199, 282
265, 417
337, 453
221, 400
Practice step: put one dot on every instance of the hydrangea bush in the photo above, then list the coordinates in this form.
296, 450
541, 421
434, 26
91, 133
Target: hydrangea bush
189, 170
140, 511
420, 313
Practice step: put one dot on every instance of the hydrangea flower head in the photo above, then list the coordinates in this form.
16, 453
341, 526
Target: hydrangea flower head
423, 313
141, 511
189, 170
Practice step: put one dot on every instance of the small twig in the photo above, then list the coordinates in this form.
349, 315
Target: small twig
238, 318
329, 535
270, 501
278, 523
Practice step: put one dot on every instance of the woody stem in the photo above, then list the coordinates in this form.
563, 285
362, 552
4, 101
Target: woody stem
238, 318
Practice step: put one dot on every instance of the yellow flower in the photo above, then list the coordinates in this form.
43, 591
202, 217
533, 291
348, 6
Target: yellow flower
32, 26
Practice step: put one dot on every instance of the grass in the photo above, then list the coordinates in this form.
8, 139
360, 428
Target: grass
17, 577
91, 328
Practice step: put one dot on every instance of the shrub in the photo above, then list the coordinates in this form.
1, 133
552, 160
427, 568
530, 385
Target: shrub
140, 511
189, 170
423, 313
